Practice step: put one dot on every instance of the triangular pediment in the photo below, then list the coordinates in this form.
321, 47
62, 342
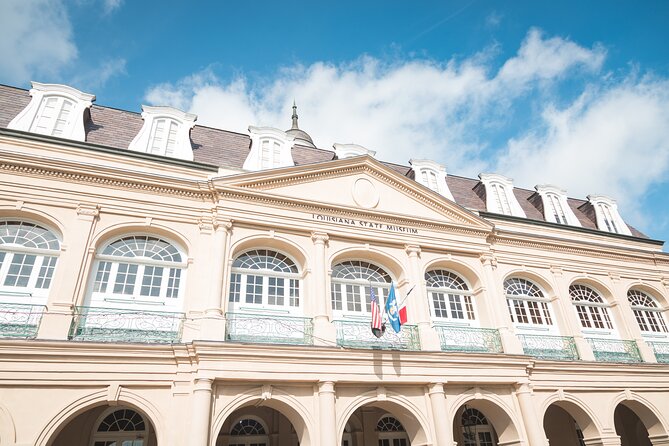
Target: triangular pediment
360, 184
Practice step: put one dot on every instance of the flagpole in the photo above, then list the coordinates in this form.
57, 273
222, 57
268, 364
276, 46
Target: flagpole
405, 297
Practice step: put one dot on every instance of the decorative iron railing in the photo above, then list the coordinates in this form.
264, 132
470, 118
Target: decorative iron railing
469, 339
269, 329
561, 348
125, 325
615, 350
358, 334
661, 350
20, 320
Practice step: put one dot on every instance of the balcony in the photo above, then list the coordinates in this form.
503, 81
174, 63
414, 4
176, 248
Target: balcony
125, 325
615, 350
358, 334
468, 339
20, 320
558, 348
269, 329
661, 350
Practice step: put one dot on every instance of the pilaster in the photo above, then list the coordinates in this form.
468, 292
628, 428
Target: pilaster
324, 330
418, 311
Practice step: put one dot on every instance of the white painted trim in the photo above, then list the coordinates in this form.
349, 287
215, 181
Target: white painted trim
274, 136
350, 150
431, 167
185, 121
544, 190
597, 202
490, 179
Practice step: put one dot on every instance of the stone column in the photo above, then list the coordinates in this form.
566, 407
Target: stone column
213, 322
442, 425
630, 324
533, 426
72, 270
327, 413
418, 310
497, 308
573, 324
324, 330
201, 412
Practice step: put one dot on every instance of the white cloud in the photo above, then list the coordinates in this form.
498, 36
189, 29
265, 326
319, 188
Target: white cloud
36, 39
92, 79
110, 6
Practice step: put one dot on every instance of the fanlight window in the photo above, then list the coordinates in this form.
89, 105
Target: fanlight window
262, 278
391, 432
648, 314
389, 424
352, 282
28, 256
527, 303
121, 427
53, 117
592, 311
473, 417
476, 431
450, 297
248, 432
139, 266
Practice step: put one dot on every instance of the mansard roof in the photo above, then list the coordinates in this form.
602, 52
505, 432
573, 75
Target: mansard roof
116, 128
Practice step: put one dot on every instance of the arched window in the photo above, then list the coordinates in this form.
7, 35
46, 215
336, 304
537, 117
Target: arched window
607, 217
54, 116
264, 279
527, 304
121, 427
555, 208
352, 282
248, 432
647, 312
591, 308
28, 256
476, 431
501, 199
391, 432
163, 140
450, 297
139, 269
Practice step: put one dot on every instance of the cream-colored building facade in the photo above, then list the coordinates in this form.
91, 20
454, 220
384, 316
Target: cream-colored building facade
149, 299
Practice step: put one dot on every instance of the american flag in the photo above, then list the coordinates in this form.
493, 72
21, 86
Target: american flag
376, 313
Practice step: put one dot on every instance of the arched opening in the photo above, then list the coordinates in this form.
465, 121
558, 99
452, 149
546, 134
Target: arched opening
472, 428
567, 424
637, 424
107, 426
380, 424
257, 426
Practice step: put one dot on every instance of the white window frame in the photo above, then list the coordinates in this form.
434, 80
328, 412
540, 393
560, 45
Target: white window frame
391, 438
381, 290
478, 428
40, 93
248, 440
138, 438
544, 305
280, 146
431, 175
266, 275
607, 215
108, 298
452, 296
556, 205
609, 330
500, 198
344, 151
28, 294
144, 140
644, 313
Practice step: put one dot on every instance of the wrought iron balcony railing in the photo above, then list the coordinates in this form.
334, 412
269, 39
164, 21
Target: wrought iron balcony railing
661, 350
469, 339
561, 348
615, 350
358, 334
20, 320
125, 325
265, 328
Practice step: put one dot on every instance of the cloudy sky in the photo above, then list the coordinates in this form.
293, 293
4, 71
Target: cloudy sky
568, 93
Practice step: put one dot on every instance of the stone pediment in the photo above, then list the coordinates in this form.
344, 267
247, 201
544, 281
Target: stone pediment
359, 184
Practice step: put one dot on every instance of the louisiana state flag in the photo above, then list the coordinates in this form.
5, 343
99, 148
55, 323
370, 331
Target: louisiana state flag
392, 310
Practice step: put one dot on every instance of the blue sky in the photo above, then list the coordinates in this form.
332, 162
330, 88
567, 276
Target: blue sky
569, 93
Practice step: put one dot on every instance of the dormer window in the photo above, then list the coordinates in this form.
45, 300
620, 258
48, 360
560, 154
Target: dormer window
499, 195
349, 150
166, 132
270, 148
556, 207
608, 218
54, 110
431, 175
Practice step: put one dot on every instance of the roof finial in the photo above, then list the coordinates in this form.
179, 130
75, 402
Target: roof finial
294, 116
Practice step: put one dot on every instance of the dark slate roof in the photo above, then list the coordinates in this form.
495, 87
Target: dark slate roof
116, 128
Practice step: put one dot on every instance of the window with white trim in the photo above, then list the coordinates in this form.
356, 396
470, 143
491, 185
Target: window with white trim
248, 432
391, 432
262, 279
164, 137
527, 303
28, 257
121, 427
499, 194
270, 153
270, 148
351, 285
450, 297
555, 208
53, 117
607, 217
647, 312
166, 132
592, 310
139, 269
476, 430
431, 175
